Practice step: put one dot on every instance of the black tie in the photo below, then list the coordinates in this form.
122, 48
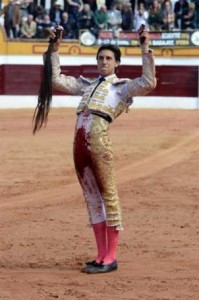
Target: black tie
99, 82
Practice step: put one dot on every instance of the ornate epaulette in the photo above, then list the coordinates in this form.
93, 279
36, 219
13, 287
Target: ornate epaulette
88, 80
120, 80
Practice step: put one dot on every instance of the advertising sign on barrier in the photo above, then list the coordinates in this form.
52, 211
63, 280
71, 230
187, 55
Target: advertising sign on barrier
157, 39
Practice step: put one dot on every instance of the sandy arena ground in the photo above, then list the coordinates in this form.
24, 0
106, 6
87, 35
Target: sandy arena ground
44, 237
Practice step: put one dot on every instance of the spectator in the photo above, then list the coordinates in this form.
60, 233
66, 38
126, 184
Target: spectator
190, 19
25, 10
100, 20
39, 13
180, 10
114, 18
168, 15
141, 17
31, 6
12, 18
28, 28
118, 4
196, 2
127, 17
68, 25
86, 18
135, 4
56, 13
155, 19
149, 4
92, 3
44, 27
121, 3
74, 9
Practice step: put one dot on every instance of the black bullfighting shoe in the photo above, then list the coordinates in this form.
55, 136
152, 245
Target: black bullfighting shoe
101, 268
93, 263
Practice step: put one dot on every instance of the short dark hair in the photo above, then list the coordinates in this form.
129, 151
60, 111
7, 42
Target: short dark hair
115, 49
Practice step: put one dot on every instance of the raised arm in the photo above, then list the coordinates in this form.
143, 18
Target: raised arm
52, 77
147, 81
61, 82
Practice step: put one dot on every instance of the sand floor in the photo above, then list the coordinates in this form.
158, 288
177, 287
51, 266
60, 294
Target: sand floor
44, 237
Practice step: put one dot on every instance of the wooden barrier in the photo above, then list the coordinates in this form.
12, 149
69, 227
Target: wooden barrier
176, 81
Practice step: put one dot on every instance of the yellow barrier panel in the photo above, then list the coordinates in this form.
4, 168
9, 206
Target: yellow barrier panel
74, 48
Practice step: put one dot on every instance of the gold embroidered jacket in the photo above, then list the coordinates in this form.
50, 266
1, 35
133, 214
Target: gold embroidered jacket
113, 96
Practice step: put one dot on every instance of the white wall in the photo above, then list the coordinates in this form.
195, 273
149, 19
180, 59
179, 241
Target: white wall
90, 60
72, 101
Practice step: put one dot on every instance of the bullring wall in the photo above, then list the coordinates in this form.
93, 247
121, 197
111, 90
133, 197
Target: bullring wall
172, 80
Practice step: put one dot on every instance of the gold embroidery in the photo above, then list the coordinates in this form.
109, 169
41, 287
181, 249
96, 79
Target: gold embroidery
112, 112
98, 98
102, 158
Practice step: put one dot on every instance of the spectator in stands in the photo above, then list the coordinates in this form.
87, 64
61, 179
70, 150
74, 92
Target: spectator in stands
39, 13
12, 18
190, 19
68, 26
168, 15
127, 17
120, 3
135, 4
141, 17
180, 10
44, 27
56, 13
86, 18
149, 4
74, 9
155, 19
92, 3
25, 10
31, 6
114, 18
28, 28
100, 19
197, 12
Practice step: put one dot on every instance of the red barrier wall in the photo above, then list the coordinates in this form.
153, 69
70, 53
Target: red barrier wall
178, 81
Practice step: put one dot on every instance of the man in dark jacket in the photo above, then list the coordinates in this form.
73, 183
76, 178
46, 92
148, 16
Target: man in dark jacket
180, 9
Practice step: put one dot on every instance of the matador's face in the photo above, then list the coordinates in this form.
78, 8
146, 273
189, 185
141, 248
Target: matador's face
106, 62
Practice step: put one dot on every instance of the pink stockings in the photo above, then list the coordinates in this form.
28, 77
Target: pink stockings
107, 241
